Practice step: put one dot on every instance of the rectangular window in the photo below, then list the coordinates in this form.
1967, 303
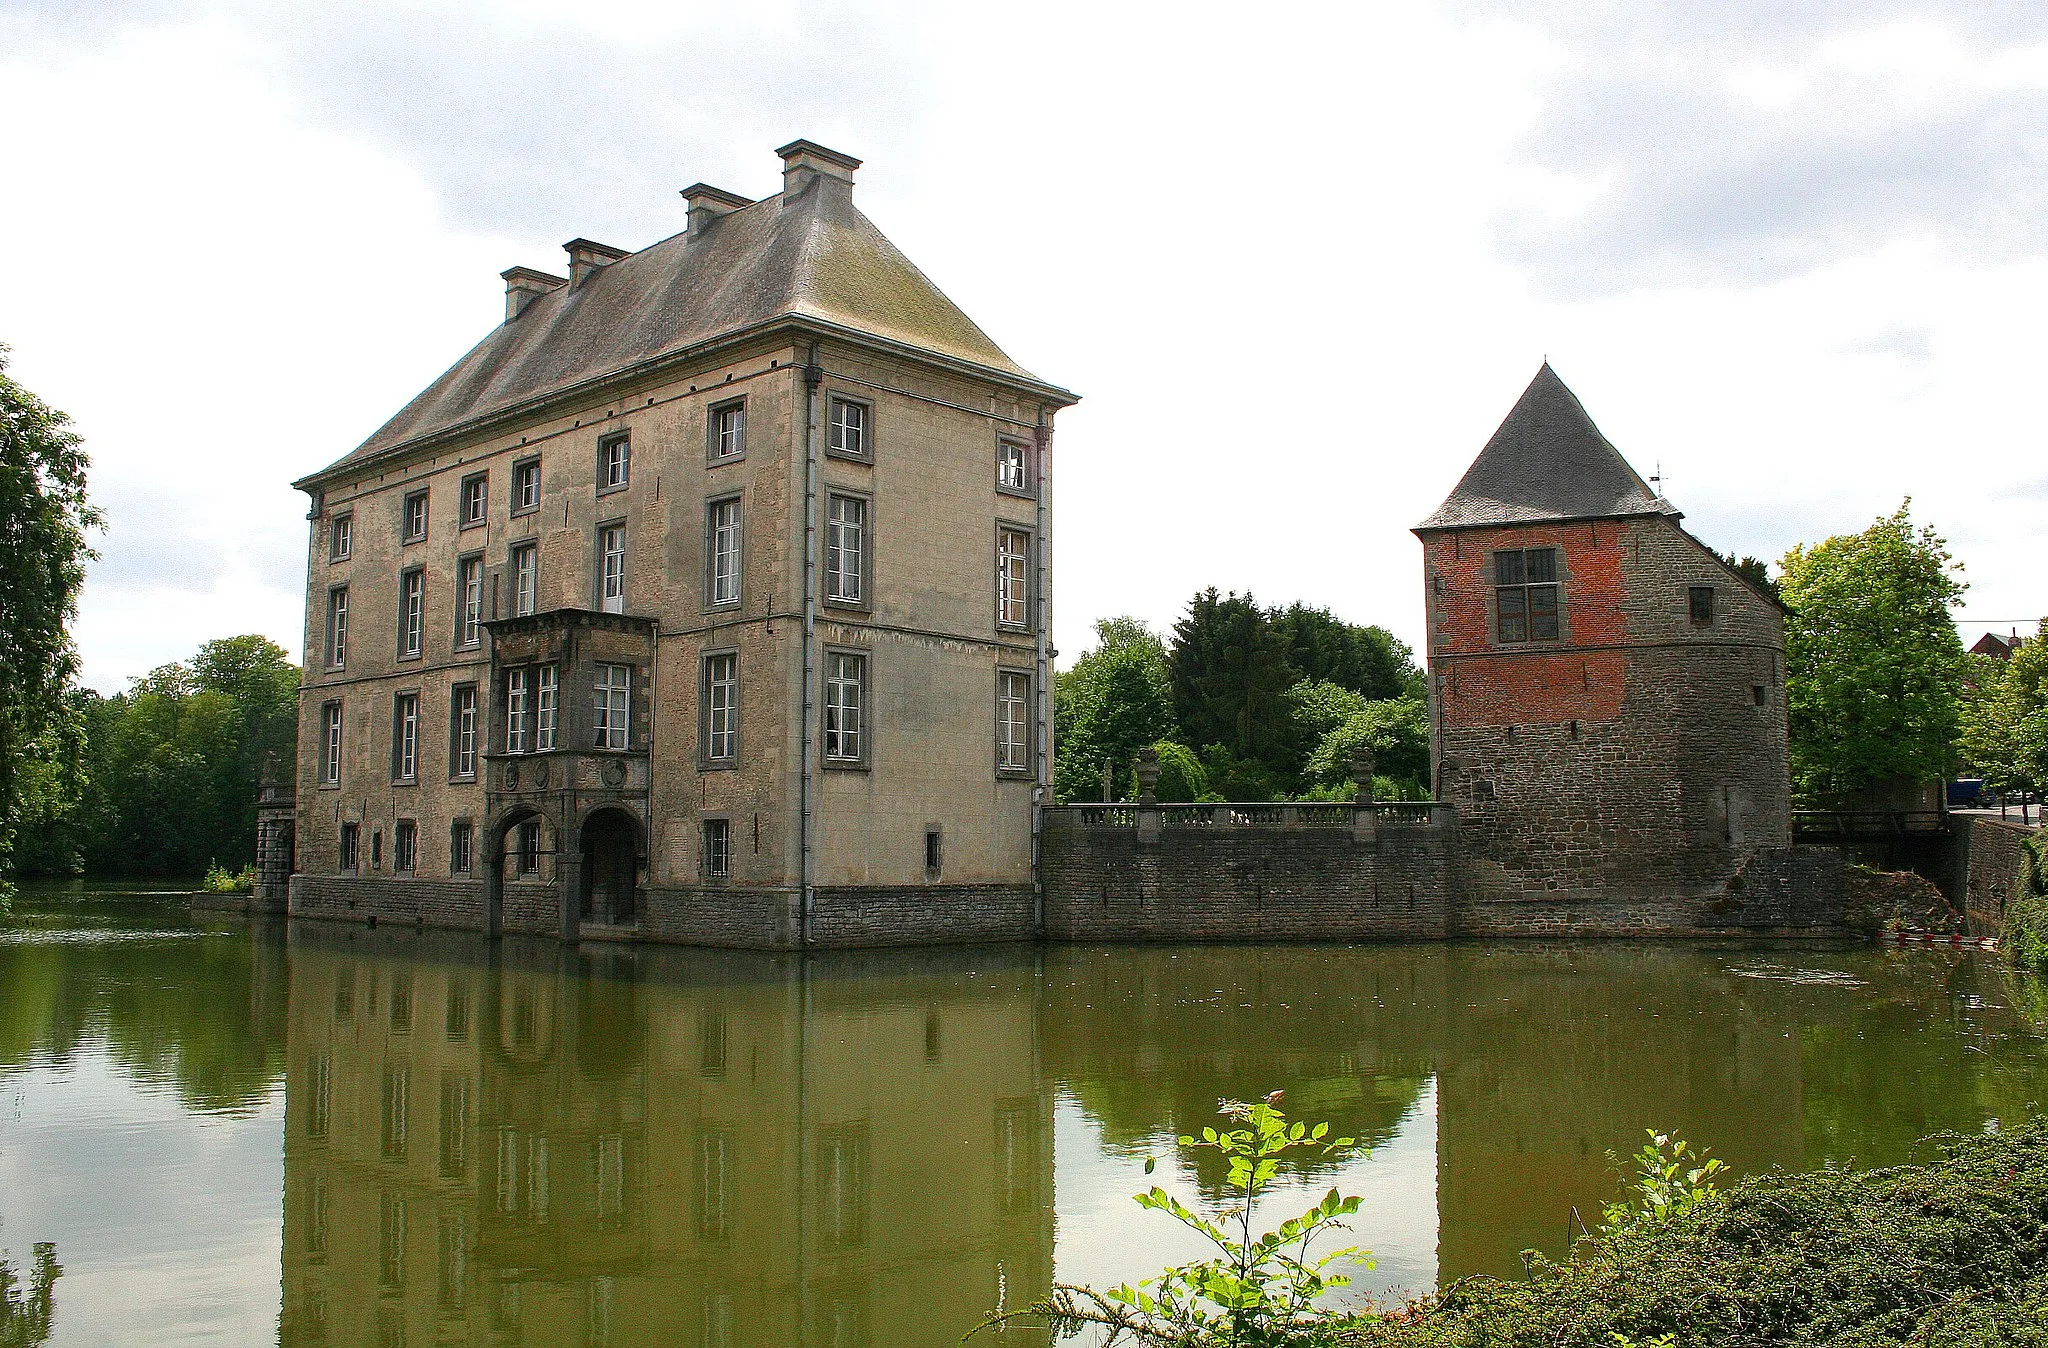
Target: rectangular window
609, 706
337, 627
461, 848
1013, 718
469, 602
728, 431
526, 486
614, 462
1525, 594
718, 847
526, 851
412, 613
475, 498
721, 699
846, 675
1700, 600
934, 853
405, 856
518, 711
351, 846
413, 524
846, 429
462, 730
611, 568
525, 578
1013, 578
846, 542
341, 535
547, 696
405, 737
722, 545
330, 744
1013, 466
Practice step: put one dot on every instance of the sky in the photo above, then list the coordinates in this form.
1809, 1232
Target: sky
1298, 263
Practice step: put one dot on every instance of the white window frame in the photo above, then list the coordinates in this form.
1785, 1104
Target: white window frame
518, 706
614, 462
728, 431
1013, 577
846, 548
415, 516
337, 627
469, 613
850, 428
330, 744
725, 544
1013, 467
611, 567
464, 736
1013, 720
546, 707
405, 730
611, 706
525, 579
525, 476
412, 613
477, 486
721, 692
845, 708
341, 536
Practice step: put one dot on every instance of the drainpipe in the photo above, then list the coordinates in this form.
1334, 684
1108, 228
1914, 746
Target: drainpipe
1041, 680
814, 428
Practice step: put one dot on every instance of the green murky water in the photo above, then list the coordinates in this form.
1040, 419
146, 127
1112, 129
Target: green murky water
326, 1135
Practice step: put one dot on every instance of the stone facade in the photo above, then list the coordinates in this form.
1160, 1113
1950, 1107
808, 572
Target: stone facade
818, 498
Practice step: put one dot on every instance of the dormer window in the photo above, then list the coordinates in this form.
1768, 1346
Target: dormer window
1525, 593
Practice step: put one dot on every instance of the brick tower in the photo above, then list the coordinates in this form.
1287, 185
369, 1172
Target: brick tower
1607, 694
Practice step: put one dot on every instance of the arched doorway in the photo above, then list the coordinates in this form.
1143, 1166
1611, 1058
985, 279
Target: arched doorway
611, 867
516, 844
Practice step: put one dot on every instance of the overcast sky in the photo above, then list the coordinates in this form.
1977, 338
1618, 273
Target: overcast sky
1299, 262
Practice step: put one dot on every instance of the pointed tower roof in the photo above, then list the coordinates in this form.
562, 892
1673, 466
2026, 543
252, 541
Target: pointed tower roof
1548, 461
807, 258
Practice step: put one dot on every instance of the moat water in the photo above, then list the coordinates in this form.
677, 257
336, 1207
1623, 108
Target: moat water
237, 1133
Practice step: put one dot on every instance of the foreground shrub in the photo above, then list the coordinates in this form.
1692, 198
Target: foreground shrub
1952, 1254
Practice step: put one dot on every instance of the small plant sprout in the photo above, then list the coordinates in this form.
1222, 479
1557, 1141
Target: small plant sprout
1256, 1289
1672, 1178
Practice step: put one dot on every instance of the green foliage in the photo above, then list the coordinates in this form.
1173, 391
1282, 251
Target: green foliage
1181, 774
1258, 1288
1752, 570
44, 518
1951, 1253
1395, 729
170, 770
220, 880
1230, 670
1872, 663
28, 1312
1112, 703
1672, 1178
2005, 717
1322, 647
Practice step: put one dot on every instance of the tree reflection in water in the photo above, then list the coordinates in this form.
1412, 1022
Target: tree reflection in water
29, 1311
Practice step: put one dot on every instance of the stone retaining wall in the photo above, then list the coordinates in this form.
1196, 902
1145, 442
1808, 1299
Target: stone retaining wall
1990, 864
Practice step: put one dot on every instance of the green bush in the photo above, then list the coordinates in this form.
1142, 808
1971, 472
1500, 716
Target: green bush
220, 880
1951, 1253
2025, 935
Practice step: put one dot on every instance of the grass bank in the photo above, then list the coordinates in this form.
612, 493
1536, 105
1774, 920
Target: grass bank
1952, 1253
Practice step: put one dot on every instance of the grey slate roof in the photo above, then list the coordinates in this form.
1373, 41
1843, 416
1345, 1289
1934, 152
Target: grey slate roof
1548, 461
815, 256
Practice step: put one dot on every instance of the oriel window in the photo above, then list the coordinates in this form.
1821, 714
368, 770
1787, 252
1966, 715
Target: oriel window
846, 537
518, 710
1525, 594
610, 706
547, 697
611, 568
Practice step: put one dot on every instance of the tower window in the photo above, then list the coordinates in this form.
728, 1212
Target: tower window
1525, 592
1700, 603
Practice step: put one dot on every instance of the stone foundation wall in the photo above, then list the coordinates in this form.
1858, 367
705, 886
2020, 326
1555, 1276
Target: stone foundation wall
1990, 861
1781, 891
458, 904
1106, 883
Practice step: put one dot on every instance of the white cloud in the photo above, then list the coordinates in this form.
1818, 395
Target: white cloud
1299, 264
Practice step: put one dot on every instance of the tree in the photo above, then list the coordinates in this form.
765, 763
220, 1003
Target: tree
1111, 704
1369, 661
1873, 666
44, 517
1395, 729
1753, 571
2005, 718
1230, 672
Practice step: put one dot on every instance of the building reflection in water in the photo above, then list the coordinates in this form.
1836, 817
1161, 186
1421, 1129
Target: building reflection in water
702, 1150
521, 1144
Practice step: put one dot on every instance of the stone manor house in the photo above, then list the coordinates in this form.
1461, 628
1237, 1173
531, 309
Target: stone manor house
705, 600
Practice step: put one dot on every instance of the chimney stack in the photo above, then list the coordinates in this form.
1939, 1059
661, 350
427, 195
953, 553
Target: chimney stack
707, 203
805, 162
586, 257
524, 285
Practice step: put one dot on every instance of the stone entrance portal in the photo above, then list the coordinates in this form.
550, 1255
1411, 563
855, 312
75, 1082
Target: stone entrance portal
611, 865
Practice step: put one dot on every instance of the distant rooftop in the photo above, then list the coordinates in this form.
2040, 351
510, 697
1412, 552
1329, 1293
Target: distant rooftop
1548, 461
804, 254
